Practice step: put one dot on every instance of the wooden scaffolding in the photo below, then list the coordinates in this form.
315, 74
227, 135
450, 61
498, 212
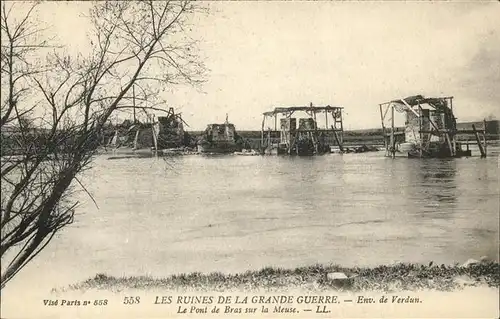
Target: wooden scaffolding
306, 138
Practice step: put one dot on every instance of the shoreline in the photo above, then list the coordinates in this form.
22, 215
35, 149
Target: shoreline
315, 278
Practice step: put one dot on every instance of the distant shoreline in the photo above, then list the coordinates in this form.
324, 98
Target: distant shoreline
374, 136
492, 126
369, 137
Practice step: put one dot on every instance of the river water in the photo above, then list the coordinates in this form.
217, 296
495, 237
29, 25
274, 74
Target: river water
235, 213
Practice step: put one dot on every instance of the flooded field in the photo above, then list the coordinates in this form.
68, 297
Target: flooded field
235, 213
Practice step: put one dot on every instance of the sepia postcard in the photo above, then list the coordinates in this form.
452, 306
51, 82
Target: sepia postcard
248, 159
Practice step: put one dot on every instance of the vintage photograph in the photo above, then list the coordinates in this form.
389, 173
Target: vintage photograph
299, 159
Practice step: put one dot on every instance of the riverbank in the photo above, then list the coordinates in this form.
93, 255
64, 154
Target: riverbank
317, 278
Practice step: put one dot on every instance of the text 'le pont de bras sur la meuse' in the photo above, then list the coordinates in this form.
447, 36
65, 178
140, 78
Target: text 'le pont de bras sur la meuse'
243, 304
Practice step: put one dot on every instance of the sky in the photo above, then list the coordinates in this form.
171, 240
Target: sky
264, 54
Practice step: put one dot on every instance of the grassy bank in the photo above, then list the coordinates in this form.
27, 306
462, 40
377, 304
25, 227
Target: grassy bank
399, 277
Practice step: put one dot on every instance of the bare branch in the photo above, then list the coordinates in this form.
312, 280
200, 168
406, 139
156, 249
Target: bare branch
55, 109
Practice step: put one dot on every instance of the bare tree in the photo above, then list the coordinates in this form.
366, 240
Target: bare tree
53, 140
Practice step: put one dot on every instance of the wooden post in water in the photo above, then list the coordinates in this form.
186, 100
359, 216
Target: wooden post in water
262, 133
484, 137
393, 137
476, 134
420, 134
314, 135
341, 148
384, 134
454, 144
341, 127
136, 144
448, 140
269, 138
155, 136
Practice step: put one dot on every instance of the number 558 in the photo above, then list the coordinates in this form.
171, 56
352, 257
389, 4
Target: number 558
131, 300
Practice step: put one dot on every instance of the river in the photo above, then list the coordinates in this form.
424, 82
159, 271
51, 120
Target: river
234, 213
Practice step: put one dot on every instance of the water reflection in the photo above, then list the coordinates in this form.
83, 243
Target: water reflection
437, 178
236, 213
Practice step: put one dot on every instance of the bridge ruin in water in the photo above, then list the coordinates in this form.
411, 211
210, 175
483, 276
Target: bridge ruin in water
430, 128
306, 138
